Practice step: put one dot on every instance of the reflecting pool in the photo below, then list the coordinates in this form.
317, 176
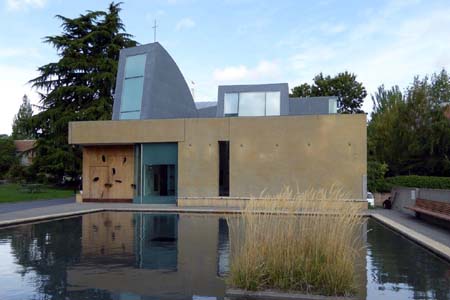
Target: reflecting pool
130, 256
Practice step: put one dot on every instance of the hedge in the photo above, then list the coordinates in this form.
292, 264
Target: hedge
426, 182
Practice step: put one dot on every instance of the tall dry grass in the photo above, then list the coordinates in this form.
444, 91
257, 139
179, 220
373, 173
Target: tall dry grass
272, 247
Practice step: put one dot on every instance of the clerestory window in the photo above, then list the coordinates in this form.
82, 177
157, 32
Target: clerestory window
133, 87
252, 104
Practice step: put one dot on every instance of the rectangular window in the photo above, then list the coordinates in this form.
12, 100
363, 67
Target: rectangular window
130, 115
132, 94
224, 168
137, 172
231, 101
272, 103
135, 66
132, 87
160, 180
252, 104
332, 106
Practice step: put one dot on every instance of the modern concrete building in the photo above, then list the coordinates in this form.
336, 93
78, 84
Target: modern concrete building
161, 146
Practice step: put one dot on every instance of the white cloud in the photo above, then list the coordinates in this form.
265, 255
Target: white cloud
389, 48
16, 5
185, 23
264, 70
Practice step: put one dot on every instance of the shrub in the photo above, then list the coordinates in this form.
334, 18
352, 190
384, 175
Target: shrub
427, 182
7, 154
20, 173
272, 248
375, 175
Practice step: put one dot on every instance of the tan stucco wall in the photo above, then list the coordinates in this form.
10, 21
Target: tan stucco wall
304, 152
198, 157
126, 132
266, 153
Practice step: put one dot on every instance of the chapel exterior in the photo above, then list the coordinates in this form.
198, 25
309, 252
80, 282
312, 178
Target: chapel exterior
161, 146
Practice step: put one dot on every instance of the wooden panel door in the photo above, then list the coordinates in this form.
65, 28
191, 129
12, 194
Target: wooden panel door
122, 176
99, 178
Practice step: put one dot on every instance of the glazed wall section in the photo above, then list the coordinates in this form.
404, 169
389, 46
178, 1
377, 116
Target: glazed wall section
266, 153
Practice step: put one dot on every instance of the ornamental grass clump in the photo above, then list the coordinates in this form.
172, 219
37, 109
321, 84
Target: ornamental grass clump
274, 248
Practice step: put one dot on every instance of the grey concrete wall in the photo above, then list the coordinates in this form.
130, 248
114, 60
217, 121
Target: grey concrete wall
407, 197
309, 106
434, 194
404, 197
207, 112
165, 92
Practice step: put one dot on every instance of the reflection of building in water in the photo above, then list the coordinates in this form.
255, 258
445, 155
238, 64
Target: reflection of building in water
223, 249
156, 245
173, 256
106, 238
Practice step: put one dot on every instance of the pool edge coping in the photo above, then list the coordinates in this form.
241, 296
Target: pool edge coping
269, 294
434, 246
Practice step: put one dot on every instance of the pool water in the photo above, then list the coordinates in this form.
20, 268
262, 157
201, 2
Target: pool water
128, 256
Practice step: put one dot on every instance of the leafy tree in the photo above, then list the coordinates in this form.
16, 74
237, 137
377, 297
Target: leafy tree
409, 131
375, 175
349, 91
78, 87
303, 90
21, 128
7, 154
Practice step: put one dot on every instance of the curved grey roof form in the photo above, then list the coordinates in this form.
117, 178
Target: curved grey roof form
165, 91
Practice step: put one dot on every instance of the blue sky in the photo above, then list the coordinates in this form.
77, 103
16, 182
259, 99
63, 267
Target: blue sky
245, 41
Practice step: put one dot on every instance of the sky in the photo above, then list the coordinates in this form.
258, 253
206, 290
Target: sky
244, 41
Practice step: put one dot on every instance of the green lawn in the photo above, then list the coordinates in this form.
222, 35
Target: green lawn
14, 193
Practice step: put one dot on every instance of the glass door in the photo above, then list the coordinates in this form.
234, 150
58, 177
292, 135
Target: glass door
159, 173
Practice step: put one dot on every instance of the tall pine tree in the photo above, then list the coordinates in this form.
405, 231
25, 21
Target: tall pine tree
21, 128
78, 87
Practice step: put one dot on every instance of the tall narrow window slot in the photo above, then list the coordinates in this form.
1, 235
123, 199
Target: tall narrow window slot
132, 88
224, 168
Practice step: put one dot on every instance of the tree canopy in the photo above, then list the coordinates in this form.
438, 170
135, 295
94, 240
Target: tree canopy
78, 87
21, 128
7, 154
409, 131
349, 91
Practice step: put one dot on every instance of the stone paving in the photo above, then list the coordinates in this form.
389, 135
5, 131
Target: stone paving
433, 237
11, 214
18, 206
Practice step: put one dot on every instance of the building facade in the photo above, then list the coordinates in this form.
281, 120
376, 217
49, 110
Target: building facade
25, 151
160, 145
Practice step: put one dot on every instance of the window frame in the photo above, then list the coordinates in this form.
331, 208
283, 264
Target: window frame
133, 76
237, 114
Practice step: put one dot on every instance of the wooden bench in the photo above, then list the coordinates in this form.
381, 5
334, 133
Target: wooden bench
436, 209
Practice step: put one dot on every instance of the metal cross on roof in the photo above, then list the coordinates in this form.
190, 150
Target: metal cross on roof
154, 32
